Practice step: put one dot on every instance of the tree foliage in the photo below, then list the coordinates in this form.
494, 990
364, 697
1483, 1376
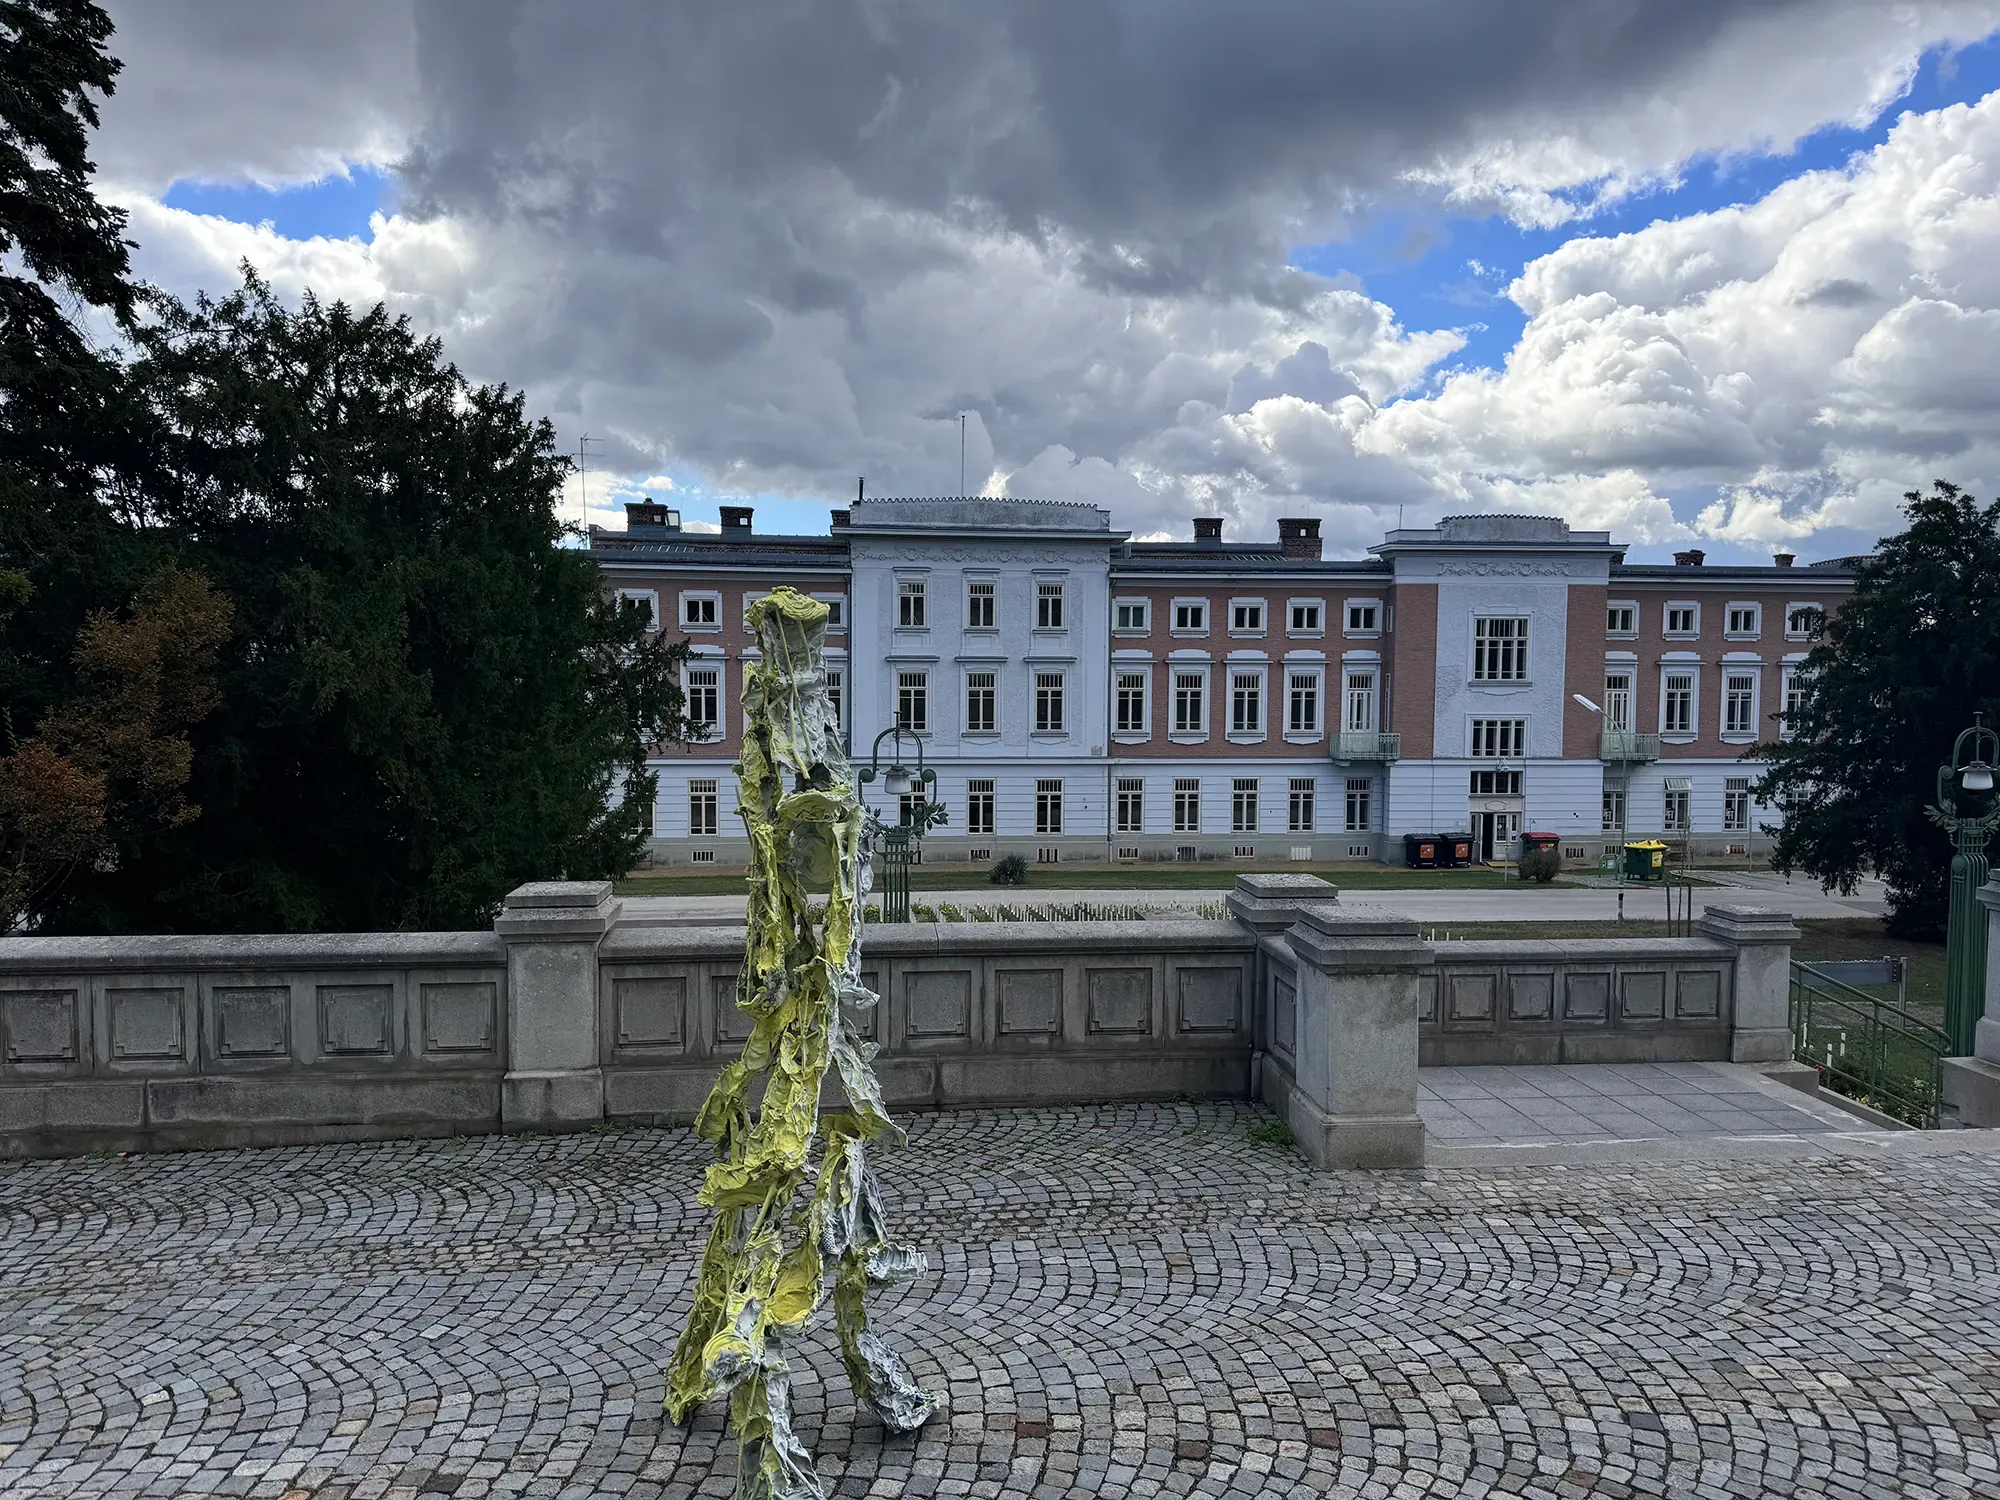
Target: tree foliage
1893, 677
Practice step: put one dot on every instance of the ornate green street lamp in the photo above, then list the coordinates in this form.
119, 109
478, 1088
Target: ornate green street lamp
899, 835
1972, 760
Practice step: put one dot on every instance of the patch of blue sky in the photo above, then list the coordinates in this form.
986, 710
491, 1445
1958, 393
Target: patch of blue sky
334, 207
1437, 269
777, 514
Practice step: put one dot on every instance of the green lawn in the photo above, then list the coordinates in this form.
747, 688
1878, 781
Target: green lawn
1219, 876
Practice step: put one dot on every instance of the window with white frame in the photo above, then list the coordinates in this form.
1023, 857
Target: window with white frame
1189, 690
1494, 784
1190, 617
1306, 614
1360, 715
913, 700
1677, 704
1246, 617
1614, 810
1674, 814
979, 597
1801, 620
836, 684
910, 604
1683, 620
1739, 703
1795, 699
1049, 604
1048, 702
1360, 810
647, 601
1243, 804
909, 808
1300, 804
1303, 714
1131, 703
1187, 804
1048, 807
700, 611
1129, 616
1499, 648
1131, 804
702, 799
1621, 618
1246, 702
1736, 804
1499, 739
979, 806
981, 714
1618, 701
1362, 616
703, 691
1740, 622
836, 612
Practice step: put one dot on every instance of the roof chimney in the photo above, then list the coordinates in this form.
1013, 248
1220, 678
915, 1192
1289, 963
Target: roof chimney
1782, 559
1691, 559
1208, 528
649, 513
735, 518
840, 518
1298, 536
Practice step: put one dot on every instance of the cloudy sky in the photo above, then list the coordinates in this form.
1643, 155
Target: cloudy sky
1725, 270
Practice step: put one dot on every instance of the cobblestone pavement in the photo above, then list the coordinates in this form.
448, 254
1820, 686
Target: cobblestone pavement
1135, 1300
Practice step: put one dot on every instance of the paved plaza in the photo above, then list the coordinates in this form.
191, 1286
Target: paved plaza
1122, 1301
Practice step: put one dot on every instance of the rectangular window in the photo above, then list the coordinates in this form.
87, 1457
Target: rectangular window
1300, 806
909, 807
1499, 649
1494, 784
644, 598
1360, 702
1187, 702
1500, 739
704, 697
910, 603
1359, 811
1048, 606
1131, 703
1246, 703
1131, 805
979, 807
1795, 698
1614, 810
1674, 819
1736, 805
980, 717
979, 604
1243, 805
836, 614
1304, 713
1742, 619
701, 809
1621, 619
1801, 620
1739, 699
1681, 619
1305, 619
836, 682
1048, 702
1187, 805
1361, 617
1048, 807
698, 610
1677, 713
1131, 614
913, 701
1246, 619
1190, 617
1618, 700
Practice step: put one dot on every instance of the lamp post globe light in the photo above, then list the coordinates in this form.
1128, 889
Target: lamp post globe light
899, 836
1971, 769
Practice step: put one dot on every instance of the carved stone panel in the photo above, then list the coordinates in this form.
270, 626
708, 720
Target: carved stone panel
1030, 1002
357, 1020
1697, 995
458, 1015
1209, 999
252, 1020
732, 1024
862, 1021
1469, 997
1284, 1016
937, 1005
1119, 1002
1642, 996
146, 1022
39, 1025
652, 1012
1531, 997
1587, 997
1427, 999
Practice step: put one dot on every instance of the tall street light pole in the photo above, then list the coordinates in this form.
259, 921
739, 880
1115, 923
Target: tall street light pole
899, 837
1971, 767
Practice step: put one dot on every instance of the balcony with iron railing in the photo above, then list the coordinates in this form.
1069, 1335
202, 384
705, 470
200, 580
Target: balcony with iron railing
1629, 746
1367, 744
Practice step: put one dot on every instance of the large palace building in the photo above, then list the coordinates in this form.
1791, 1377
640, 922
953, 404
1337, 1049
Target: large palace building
1085, 697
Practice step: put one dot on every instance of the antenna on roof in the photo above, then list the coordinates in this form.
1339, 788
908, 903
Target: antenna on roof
961, 455
582, 479
861, 489
1399, 518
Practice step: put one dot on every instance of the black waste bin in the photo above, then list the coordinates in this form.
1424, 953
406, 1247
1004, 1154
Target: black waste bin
1530, 842
1457, 848
1421, 851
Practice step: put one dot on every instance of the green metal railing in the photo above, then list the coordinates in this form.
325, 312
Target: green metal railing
1867, 1047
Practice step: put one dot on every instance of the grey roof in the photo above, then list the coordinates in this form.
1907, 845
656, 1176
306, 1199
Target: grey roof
1766, 572
977, 513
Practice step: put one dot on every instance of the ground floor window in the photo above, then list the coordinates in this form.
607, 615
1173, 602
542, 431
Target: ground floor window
1048, 807
909, 807
1131, 806
1675, 819
1187, 805
1243, 805
1614, 810
1359, 812
979, 807
1736, 805
701, 808
1302, 804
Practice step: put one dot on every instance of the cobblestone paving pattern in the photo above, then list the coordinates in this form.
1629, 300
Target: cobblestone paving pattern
1134, 1300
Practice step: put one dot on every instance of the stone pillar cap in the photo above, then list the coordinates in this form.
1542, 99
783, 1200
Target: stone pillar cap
546, 893
1749, 921
1355, 921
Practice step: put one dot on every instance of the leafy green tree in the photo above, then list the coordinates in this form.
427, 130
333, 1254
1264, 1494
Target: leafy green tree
1892, 679
427, 697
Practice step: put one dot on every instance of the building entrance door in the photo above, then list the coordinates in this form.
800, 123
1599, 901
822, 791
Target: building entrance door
1495, 833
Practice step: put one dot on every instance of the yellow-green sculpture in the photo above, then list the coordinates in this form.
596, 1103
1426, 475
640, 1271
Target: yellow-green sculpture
764, 1272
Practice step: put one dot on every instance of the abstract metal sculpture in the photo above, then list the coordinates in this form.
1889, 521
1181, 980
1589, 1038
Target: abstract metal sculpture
763, 1274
